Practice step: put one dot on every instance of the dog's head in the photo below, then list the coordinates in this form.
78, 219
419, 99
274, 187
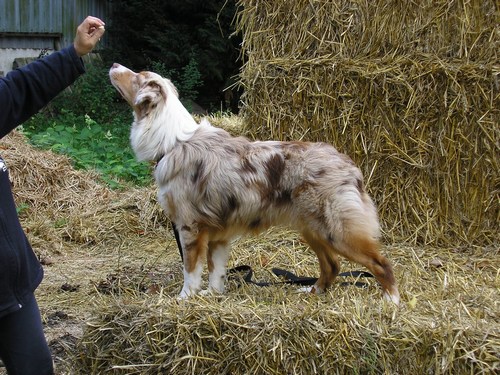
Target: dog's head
160, 119
144, 91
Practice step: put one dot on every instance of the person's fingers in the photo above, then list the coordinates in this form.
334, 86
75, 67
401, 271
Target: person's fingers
88, 34
93, 22
90, 25
95, 34
98, 32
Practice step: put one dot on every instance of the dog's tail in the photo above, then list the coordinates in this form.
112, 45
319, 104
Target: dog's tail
353, 213
357, 234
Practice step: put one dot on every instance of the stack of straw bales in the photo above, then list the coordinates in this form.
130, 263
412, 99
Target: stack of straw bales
410, 90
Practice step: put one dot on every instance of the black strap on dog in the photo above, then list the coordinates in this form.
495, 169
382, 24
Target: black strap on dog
245, 272
178, 240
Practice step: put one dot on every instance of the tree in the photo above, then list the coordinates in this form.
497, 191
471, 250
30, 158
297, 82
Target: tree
182, 35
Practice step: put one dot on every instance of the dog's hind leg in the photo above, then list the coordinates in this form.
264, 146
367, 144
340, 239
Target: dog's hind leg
328, 262
364, 250
218, 255
194, 247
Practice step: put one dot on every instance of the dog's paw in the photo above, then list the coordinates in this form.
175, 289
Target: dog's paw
394, 297
206, 292
310, 289
305, 289
184, 295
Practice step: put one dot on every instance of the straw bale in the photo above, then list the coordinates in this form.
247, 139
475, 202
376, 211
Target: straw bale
409, 90
311, 29
228, 121
447, 324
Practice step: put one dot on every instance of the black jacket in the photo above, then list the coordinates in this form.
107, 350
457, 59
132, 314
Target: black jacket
23, 92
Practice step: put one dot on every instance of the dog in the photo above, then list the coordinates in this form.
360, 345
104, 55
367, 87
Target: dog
216, 187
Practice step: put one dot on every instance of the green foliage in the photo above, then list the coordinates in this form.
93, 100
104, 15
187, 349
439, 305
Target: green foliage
91, 146
94, 95
91, 125
21, 208
175, 33
190, 80
187, 80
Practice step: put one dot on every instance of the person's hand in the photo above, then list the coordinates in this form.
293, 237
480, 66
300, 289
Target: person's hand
88, 34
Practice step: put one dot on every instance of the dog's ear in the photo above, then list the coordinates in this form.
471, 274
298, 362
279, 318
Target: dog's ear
148, 97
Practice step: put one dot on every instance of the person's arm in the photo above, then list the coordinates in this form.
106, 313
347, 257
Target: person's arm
24, 91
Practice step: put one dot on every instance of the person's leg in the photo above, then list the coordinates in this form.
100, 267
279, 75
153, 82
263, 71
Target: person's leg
23, 347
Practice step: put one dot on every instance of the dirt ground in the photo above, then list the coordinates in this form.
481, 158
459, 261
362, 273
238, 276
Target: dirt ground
74, 279
75, 276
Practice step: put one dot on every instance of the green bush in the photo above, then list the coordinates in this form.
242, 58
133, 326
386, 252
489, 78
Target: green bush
172, 32
92, 146
94, 95
187, 80
91, 124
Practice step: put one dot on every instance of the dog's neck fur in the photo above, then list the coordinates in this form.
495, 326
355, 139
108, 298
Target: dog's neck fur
157, 133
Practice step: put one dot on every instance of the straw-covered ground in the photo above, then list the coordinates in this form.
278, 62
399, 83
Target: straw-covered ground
112, 274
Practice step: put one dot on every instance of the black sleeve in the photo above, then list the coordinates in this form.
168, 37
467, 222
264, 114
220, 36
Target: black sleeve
24, 91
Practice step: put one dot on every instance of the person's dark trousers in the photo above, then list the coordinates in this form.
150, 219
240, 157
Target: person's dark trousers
23, 347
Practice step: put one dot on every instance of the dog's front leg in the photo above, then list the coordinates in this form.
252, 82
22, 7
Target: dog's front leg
218, 255
194, 247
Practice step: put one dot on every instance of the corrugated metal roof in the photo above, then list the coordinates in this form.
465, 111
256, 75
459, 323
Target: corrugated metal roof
22, 20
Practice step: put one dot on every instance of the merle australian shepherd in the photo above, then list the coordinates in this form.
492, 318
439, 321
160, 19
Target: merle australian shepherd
216, 187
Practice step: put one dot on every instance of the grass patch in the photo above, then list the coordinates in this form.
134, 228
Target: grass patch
90, 123
90, 146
